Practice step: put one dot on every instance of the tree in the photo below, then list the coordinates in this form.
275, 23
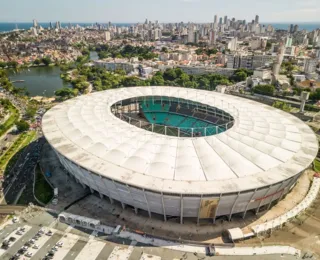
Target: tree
315, 96
240, 76
36, 62
268, 46
46, 60
65, 93
282, 105
132, 81
157, 81
264, 90
22, 126
30, 111
170, 74
164, 49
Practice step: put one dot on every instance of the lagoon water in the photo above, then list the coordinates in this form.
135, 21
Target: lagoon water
39, 81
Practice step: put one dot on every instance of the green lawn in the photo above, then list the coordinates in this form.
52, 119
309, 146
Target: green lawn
316, 166
23, 140
14, 116
42, 190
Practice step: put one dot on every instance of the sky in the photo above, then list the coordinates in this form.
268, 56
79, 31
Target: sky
133, 11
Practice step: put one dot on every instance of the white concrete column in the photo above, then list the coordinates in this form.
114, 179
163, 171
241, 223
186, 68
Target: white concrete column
245, 212
181, 209
145, 197
163, 208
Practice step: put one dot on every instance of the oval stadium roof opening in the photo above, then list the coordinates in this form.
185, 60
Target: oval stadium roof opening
173, 116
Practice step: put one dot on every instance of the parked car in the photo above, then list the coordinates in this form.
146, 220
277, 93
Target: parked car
12, 239
28, 254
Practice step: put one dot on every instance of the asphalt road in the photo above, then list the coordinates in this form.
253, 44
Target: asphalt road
21, 174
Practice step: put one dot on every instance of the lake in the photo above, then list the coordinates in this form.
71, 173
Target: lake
39, 81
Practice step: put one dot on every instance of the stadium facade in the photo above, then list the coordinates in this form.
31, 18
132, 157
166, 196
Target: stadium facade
163, 156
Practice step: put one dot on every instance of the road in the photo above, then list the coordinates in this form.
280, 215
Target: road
21, 174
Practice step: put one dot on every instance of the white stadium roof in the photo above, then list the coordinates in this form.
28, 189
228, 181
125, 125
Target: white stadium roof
265, 145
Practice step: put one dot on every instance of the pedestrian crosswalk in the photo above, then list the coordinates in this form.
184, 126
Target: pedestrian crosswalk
120, 253
91, 250
150, 257
68, 241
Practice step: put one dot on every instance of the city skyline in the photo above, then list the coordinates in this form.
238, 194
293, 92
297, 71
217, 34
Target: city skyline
125, 11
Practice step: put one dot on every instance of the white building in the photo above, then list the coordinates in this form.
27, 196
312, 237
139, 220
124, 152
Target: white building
107, 36
232, 44
115, 65
191, 35
310, 65
288, 42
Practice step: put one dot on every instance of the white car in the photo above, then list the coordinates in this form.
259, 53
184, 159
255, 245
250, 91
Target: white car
59, 244
28, 254
55, 248
35, 247
15, 220
19, 233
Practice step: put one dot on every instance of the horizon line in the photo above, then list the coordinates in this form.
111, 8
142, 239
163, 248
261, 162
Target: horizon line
143, 22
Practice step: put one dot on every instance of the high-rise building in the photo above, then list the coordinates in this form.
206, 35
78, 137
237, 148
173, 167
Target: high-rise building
291, 28
310, 65
216, 19
50, 25
35, 23
257, 19
34, 31
279, 60
288, 42
225, 19
191, 33
233, 43
220, 20
58, 26
107, 36
212, 37
296, 28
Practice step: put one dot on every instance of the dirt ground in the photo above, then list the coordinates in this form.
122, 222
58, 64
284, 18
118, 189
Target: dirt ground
303, 232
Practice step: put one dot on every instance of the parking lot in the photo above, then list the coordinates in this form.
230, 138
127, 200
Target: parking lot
39, 236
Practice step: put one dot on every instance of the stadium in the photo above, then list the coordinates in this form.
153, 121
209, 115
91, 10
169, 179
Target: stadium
181, 153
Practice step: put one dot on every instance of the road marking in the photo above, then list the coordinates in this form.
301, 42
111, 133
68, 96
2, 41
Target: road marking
68, 240
17, 237
40, 243
92, 249
121, 253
